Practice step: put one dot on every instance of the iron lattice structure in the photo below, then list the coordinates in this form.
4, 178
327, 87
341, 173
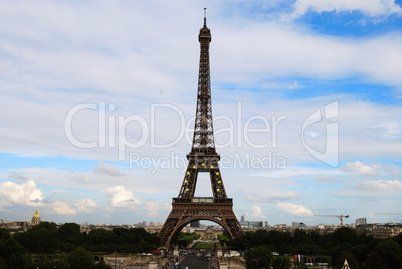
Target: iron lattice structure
202, 159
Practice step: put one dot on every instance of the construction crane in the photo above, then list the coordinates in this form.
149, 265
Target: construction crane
334, 216
396, 214
388, 213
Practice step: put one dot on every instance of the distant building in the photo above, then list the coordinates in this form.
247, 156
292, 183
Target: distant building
298, 225
254, 224
380, 231
35, 219
242, 218
209, 235
361, 221
195, 224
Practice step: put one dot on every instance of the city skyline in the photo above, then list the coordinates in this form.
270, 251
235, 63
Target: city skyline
98, 100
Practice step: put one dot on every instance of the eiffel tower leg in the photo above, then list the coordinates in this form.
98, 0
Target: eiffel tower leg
169, 228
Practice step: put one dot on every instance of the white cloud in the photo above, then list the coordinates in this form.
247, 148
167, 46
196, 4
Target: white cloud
295, 47
120, 197
272, 196
23, 194
297, 210
85, 205
295, 85
256, 212
62, 208
17, 176
81, 177
371, 8
392, 170
359, 167
388, 129
152, 209
380, 185
106, 168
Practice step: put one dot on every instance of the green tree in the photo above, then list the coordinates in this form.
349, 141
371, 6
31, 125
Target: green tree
70, 236
281, 263
184, 239
12, 247
259, 258
299, 265
100, 240
398, 239
301, 237
386, 255
121, 240
3, 263
339, 253
3, 250
239, 244
61, 261
80, 258
4, 234
11, 253
20, 261
42, 238
338, 261
346, 235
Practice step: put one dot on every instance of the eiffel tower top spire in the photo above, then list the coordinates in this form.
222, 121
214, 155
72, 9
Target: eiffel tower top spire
205, 17
205, 34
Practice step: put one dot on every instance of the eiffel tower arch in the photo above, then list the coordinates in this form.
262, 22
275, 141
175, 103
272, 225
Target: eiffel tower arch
202, 159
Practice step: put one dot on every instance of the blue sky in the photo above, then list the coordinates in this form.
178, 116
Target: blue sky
98, 99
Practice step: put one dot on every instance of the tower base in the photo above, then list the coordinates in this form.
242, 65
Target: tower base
186, 210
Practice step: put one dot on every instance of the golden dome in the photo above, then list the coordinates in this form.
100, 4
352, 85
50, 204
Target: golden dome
36, 218
36, 215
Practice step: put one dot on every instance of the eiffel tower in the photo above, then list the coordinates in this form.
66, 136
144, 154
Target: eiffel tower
202, 159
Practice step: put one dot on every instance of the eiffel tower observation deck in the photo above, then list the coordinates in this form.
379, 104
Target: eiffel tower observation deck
203, 158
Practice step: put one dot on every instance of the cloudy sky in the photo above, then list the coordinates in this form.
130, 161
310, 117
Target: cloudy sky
98, 101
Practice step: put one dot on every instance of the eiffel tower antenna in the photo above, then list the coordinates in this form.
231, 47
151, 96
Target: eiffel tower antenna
202, 158
205, 17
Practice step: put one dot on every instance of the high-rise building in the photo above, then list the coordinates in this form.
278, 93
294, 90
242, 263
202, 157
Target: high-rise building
298, 225
254, 224
361, 221
243, 218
